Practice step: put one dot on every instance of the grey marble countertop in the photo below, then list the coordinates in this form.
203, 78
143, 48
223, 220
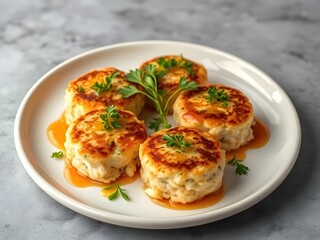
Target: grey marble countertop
280, 37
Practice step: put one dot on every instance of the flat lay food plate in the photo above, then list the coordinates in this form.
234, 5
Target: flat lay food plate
269, 165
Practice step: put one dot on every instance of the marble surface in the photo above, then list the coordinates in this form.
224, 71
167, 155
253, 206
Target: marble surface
280, 37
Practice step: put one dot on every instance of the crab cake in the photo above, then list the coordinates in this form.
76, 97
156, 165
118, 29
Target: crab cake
172, 69
99, 89
224, 112
181, 175
100, 154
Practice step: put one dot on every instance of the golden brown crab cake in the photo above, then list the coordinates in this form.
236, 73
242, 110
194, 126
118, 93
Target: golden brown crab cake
181, 176
175, 67
91, 91
104, 155
229, 117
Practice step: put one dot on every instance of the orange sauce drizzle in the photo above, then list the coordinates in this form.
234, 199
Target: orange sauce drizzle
56, 134
78, 180
261, 137
206, 201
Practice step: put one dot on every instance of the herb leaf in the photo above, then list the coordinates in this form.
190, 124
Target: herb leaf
241, 169
119, 191
167, 64
135, 76
110, 119
115, 124
172, 62
155, 124
101, 87
128, 91
176, 141
188, 66
58, 154
123, 194
80, 89
215, 95
183, 84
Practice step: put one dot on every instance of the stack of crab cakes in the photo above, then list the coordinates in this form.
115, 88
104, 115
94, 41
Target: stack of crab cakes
99, 89
224, 112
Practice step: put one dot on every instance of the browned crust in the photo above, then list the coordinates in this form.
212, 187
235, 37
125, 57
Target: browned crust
105, 142
111, 97
206, 148
238, 111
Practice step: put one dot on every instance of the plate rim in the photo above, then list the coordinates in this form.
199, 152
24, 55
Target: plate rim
149, 222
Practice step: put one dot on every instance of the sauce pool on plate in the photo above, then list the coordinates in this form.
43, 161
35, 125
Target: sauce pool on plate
78, 180
261, 137
206, 201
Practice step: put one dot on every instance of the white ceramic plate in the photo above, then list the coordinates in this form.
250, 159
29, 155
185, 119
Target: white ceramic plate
269, 165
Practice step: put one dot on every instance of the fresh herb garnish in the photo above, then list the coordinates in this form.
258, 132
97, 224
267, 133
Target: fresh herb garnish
176, 141
215, 95
117, 192
184, 84
110, 119
148, 79
104, 86
224, 104
80, 89
166, 65
188, 66
57, 154
155, 124
240, 168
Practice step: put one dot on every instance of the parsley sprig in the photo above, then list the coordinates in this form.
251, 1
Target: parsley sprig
213, 94
148, 80
241, 169
58, 154
118, 192
176, 141
110, 119
104, 86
